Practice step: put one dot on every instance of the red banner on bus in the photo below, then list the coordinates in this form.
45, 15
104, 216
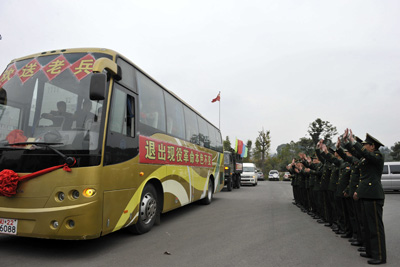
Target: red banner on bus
83, 67
154, 151
55, 67
29, 70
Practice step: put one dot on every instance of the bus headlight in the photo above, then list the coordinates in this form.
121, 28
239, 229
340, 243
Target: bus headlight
89, 192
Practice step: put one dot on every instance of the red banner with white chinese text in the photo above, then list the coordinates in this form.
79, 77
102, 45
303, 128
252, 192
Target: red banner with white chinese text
154, 151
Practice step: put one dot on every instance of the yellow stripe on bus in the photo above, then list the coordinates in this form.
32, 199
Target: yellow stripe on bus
170, 186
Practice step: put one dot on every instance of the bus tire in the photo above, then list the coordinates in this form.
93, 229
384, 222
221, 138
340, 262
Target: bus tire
209, 196
147, 211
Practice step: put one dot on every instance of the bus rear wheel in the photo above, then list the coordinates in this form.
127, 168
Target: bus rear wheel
210, 191
147, 211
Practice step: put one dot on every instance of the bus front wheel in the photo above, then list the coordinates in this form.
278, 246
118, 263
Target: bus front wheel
147, 211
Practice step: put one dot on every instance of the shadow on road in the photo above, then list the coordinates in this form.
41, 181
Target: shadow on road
83, 249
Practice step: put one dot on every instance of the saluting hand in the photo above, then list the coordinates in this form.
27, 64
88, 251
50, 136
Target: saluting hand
351, 137
320, 143
346, 133
324, 148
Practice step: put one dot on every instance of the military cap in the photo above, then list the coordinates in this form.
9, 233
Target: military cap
332, 149
369, 139
358, 139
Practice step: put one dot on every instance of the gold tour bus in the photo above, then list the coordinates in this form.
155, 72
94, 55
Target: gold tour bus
90, 144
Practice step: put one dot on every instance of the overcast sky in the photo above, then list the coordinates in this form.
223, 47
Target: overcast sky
279, 64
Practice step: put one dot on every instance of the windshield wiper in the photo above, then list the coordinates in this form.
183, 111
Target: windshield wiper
68, 160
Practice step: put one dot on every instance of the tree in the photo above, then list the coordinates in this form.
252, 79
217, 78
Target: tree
263, 144
249, 153
271, 163
320, 129
227, 144
285, 154
306, 145
386, 152
396, 151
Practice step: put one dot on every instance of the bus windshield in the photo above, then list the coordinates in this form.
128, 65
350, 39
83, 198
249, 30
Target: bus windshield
46, 99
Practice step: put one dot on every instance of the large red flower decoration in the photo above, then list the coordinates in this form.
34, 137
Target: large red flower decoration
8, 183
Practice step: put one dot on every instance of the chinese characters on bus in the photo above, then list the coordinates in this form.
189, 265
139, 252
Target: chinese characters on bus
55, 67
83, 67
158, 152
8, 74
80, 69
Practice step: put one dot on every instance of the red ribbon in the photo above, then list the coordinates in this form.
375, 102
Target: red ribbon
9, 179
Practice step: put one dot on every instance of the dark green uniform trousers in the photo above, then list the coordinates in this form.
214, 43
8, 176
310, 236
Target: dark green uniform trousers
375, 243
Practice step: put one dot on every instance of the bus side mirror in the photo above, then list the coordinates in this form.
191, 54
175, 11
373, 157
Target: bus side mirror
98, 83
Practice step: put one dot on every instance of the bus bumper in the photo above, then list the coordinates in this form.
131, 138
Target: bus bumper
81, 221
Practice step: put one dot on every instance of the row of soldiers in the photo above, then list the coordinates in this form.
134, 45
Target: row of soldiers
341, 188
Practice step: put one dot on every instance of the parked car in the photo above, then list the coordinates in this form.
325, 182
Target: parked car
286, 176
249, 175
260, 175
273, 175
391, 176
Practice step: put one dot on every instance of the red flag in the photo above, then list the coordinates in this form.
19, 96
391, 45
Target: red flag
240, 146
218, 98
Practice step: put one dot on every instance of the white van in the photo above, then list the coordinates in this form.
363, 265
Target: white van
249, 175
391, 176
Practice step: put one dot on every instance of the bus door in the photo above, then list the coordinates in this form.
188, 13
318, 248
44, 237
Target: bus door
120, 180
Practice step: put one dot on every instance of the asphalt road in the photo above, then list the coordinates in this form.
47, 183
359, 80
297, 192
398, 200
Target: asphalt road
251, 226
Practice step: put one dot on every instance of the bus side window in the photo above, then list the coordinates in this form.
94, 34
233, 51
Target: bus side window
151, 103
192, 127
203, 133
213, 139
218, 137
175, 118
